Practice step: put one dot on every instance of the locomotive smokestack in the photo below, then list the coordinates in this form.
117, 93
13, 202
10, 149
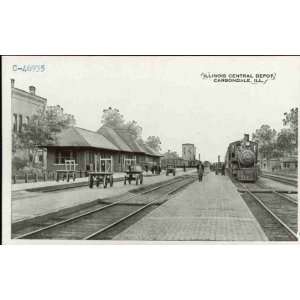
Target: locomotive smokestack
246, 137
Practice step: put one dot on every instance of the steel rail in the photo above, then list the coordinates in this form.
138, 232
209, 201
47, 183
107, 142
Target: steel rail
286, 197
132, 214
289, 181
97, 210
294, 234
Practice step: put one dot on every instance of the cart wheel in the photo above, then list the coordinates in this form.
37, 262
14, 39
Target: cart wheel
141, 179
97, 181
111, 181
91, 182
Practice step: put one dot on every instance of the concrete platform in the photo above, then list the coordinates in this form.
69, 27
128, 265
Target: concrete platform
208, 211
27, 205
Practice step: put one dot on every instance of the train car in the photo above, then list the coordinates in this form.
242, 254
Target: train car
241, 160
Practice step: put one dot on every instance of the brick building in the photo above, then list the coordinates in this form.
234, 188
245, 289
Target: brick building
188, 152
25, 104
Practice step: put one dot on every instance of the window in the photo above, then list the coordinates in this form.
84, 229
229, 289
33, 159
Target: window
20, 123
26, 122
15, 122
62, 156
91, 160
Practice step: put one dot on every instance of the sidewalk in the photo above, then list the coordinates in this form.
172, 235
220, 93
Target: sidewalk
212, 210
26, 205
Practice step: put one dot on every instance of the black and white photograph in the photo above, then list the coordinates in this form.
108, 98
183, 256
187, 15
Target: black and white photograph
151, 148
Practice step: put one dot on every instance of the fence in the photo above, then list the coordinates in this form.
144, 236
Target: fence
45, 176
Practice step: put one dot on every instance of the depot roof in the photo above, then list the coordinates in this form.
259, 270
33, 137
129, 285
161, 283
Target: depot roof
105, 138
79, 137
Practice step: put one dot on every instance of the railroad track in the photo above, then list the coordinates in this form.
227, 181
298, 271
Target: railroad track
286, 180
94, 224
276, 212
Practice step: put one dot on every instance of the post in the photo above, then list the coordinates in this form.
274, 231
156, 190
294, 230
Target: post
15, 179
45, 177
26, 177
35, 177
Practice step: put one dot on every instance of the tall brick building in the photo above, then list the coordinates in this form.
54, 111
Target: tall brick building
188, 152
25, 104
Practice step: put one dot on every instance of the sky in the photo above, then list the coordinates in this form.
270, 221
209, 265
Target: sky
167, 95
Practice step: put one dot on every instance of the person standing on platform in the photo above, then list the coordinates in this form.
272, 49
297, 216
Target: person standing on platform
159, 170
200, 169
223, 169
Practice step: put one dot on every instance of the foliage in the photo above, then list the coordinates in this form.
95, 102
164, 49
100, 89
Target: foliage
153, 142
16, 143
291, 120
134, 129
41, 130
265, 136
113, 118
285, 140
18, 163
170, 155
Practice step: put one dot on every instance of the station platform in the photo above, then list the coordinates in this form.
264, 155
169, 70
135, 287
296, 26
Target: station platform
27, 205
211, 210
79, 181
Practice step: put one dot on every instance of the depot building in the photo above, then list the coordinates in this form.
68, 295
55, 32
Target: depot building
107, 150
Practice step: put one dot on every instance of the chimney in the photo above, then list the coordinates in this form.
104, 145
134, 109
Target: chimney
32, 90
12, 81
246, 137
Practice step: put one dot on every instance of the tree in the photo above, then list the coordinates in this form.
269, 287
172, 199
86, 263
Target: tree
265, 136
134, 128
41, 129
153, 142
285, 140
170, 155
291, 120
113, 118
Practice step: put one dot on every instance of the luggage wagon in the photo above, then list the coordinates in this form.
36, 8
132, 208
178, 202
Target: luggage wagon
68, 171
220, 168
171, 169
105, 178
134, 173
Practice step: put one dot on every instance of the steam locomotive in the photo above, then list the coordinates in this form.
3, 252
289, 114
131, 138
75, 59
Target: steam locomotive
241, 160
